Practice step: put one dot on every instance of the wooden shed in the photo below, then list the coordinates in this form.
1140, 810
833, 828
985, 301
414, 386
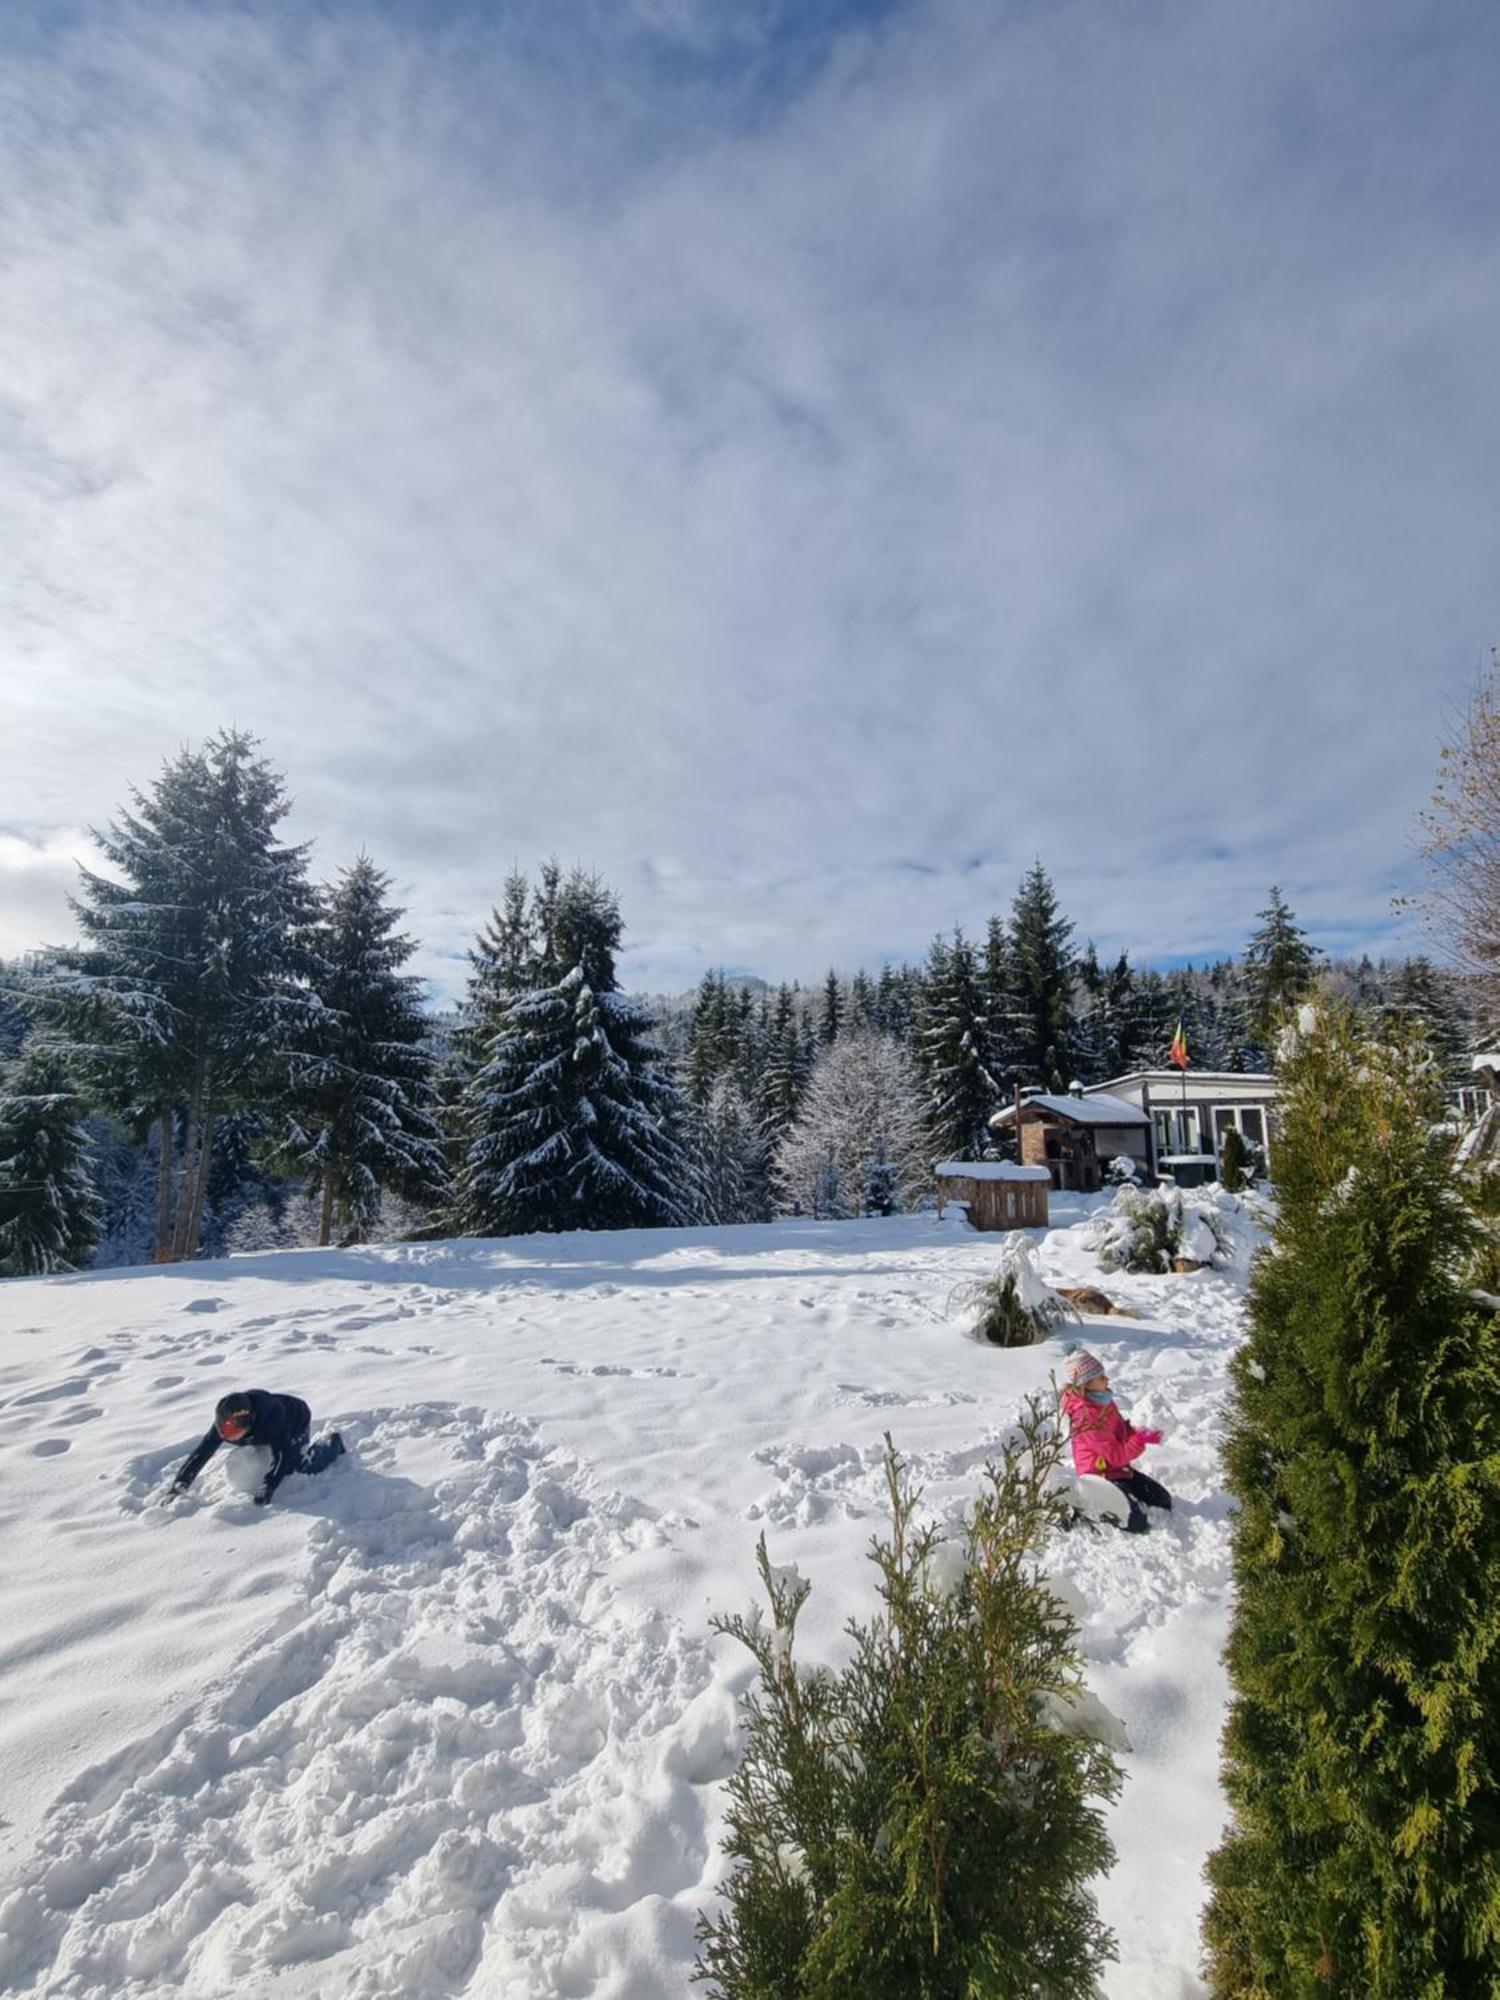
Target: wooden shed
997, 1194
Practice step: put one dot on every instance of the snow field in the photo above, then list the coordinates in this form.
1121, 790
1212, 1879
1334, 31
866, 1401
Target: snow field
449, 1717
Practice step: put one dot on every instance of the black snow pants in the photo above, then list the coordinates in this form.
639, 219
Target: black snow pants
315, 1457
1140, 1493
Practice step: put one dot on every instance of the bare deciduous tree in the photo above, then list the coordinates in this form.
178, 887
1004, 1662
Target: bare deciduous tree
1459, 839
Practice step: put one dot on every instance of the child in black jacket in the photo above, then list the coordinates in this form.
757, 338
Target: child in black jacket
255, 1416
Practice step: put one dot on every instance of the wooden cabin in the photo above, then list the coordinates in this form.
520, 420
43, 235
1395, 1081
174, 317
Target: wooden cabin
996, 1194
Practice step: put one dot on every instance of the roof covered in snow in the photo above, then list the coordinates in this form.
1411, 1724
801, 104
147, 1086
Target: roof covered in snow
988, 1170
1094, 1110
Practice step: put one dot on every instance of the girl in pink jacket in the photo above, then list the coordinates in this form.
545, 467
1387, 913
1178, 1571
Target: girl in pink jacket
1105, 1443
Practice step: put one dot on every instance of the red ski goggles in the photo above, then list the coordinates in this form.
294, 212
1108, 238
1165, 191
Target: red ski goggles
234, 1426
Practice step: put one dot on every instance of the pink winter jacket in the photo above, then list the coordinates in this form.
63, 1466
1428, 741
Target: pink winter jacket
1103, 1441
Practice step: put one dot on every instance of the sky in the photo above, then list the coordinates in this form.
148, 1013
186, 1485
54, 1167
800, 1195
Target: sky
802, 460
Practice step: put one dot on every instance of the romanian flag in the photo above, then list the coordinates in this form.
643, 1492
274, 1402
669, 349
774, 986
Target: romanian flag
1178, 1050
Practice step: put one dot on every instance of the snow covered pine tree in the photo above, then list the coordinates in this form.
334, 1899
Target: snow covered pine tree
362, 1104
49, 1210
182, 998
569, 1122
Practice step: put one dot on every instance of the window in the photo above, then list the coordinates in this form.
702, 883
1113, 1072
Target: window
1253, 1124
1177, 1132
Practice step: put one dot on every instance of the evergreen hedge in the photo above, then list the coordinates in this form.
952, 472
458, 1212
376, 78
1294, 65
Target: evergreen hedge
1362, 1751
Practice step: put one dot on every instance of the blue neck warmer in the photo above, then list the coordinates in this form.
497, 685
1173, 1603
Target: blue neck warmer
1100, 1395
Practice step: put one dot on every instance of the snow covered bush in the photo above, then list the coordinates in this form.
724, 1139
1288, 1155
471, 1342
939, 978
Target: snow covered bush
1141, 1230
1362, 1751
1149, 1229
859, 1141
925, 1821
1014, 1306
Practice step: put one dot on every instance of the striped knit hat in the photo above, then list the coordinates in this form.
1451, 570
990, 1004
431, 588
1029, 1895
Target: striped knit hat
1083, 1367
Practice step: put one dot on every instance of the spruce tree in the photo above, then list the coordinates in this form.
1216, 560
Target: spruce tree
732, 1155
953, 1038
1150, 1024
1362, 1751
184, 998
502, 963
571, 1122
784, 1076
1118, 1012
1091, 1017
1002, 1055
1279, 968
50, 1213
922, 1824
362, 1110
895, 1002
860, 1017
831, 1019
1420, 995
1041, 971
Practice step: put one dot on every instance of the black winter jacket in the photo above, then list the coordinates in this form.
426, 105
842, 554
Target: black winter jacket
282, 1422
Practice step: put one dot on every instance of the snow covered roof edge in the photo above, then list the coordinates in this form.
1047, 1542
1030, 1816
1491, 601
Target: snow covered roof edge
1096, 1109
988, 1170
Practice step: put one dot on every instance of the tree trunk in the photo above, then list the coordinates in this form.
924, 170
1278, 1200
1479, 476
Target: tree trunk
200, 1186
192, 1149
325, 1221
164, 1193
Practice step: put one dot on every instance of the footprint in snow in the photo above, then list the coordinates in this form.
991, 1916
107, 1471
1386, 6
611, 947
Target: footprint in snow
76, 1385
51, 1447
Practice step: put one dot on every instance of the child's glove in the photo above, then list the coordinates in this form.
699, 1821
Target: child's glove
1149, 1437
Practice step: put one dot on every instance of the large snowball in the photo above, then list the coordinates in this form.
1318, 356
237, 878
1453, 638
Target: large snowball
247, 1466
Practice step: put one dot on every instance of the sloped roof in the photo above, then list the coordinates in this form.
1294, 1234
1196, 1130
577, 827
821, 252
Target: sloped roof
989, 1170
1095, 1110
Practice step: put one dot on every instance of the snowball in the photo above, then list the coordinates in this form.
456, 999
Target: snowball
247, 1467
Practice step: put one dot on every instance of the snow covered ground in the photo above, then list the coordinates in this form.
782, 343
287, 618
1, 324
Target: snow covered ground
449, 1717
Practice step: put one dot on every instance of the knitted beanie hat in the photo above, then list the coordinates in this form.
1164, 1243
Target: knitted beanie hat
1083, 1367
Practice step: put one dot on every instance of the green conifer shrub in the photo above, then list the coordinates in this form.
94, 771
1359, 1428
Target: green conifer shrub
1234, 1162
1362, 1750
922, 1824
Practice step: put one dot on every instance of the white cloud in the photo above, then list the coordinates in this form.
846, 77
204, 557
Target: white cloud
1046, 434
36, 879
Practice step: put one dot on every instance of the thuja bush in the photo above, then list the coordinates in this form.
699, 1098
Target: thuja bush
1234, 1163
922, 1824
1362, 1750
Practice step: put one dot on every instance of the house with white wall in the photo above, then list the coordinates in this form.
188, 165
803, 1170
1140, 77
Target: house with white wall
1189, 1112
